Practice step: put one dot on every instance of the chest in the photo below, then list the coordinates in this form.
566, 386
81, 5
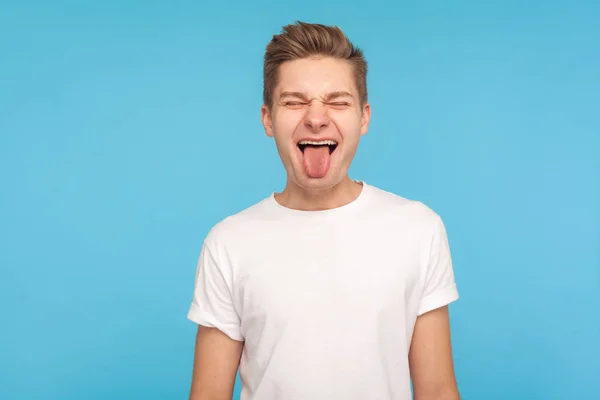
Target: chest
316, 273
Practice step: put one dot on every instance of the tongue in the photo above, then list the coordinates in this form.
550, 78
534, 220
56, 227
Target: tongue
316, 161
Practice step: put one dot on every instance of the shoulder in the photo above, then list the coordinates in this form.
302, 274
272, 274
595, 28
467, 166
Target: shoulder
409, 212
239, 225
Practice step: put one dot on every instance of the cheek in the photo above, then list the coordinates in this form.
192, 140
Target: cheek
285, 125
349, 127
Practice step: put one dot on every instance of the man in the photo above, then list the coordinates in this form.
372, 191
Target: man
333, 288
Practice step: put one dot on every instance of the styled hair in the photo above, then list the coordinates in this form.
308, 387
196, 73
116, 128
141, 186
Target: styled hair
304, 40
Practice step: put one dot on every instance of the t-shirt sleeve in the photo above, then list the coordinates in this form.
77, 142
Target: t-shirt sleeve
212, 303
439, 287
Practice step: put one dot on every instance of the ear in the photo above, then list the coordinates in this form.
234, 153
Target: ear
365, 119
267, 121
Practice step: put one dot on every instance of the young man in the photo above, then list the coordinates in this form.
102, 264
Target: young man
333, 288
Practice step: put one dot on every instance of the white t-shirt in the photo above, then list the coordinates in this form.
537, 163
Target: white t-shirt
325, 301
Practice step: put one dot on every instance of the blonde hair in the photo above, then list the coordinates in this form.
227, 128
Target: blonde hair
303, 40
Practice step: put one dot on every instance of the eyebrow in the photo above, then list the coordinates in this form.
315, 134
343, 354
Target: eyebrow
328, 97
299, 95
335, 95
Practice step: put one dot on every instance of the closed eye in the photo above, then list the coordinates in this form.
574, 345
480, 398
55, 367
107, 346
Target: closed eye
339, 104
298, 104
294, 103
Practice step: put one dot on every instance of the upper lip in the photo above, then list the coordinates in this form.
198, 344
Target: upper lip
318, 139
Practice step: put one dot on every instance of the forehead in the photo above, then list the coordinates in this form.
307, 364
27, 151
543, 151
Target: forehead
316, 76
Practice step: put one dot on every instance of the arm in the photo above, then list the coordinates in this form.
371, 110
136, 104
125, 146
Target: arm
430, 358
216, 361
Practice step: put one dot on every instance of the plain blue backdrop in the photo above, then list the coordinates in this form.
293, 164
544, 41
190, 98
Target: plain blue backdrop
129, 128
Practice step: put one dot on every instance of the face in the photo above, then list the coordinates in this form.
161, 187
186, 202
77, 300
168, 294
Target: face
316, 120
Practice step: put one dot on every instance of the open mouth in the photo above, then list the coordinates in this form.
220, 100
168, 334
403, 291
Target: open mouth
331, 144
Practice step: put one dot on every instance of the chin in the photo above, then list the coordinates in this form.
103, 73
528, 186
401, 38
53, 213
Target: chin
327, 182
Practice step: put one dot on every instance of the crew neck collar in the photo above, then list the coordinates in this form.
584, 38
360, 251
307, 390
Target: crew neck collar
349, 207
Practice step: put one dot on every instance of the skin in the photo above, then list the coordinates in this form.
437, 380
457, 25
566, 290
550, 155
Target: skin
316, 98
216, 361
430, 358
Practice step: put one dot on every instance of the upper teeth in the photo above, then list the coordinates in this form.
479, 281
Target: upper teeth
319, 143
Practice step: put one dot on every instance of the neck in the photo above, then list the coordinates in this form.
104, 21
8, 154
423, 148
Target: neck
299, 198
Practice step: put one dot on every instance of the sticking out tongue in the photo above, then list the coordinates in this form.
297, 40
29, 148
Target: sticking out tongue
316, 161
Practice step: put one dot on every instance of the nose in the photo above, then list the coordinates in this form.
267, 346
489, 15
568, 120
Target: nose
316, 118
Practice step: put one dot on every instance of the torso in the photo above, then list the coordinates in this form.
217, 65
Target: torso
328, 304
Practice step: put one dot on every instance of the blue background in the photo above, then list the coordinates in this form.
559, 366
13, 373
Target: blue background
128, 129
